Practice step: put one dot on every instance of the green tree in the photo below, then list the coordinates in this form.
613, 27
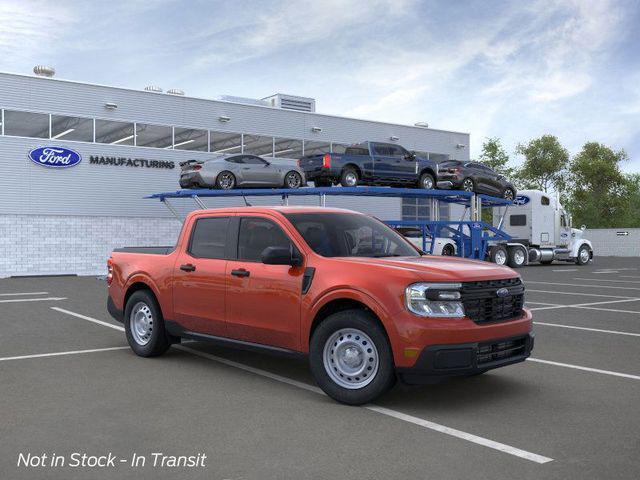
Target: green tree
495, 156
545, 164
600, 194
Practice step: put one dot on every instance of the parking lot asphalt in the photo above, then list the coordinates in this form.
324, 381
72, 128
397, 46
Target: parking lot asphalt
69, 383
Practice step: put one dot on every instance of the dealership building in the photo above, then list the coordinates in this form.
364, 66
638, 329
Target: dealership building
128, 144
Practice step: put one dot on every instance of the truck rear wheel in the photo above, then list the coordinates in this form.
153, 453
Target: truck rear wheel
349, 177
144, 325
498, 255
350, 357
517, 257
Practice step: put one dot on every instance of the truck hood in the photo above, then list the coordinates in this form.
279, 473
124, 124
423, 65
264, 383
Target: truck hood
440, 269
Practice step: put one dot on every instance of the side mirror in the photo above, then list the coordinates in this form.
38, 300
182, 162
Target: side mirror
410, 156
583, 227
281, 256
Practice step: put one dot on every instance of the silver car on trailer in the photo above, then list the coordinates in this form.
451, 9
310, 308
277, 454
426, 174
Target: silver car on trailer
241, 170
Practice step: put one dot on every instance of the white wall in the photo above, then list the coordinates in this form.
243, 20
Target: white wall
613, 242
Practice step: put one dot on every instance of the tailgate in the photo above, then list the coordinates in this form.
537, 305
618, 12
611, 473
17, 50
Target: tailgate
315, 163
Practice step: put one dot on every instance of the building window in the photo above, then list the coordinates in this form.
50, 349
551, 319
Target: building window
157, 136
71, 128
114, 133
287, 148
226, 143
190, 139
316, 148
26, 124
257, 145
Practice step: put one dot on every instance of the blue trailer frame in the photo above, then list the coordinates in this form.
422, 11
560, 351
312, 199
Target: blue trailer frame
472, 236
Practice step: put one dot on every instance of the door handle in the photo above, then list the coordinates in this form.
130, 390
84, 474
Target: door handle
188, 267
241, 272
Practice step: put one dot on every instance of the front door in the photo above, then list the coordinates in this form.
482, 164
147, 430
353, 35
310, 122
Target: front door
199, 279
263, 301
256, 171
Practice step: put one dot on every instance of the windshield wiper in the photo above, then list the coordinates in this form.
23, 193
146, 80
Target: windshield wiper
388, 255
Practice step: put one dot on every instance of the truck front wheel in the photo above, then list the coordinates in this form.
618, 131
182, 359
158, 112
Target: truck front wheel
427, 182
144, 325
584, 255
350, 357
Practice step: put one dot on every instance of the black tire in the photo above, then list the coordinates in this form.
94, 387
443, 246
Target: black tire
427, 182
448, 250
347, 175
468, 185
289, 180
580, 260
498, 255
509, 194
323, 183
546, 262
221, 180
159, 341
514, 260
384, 378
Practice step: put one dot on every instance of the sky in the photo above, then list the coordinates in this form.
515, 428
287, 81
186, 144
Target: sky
514, 70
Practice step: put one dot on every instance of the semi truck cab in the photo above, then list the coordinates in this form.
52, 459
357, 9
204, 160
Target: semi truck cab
541, 232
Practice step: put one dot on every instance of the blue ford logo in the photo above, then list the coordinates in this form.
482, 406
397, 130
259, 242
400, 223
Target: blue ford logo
521, 200
502, 292
55, 157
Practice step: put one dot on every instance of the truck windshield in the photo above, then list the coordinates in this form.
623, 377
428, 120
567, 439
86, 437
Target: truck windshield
350, 235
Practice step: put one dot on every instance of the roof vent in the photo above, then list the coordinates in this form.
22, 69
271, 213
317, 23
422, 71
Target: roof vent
422, 124
175, 91
153, 88
292, 102
44, 71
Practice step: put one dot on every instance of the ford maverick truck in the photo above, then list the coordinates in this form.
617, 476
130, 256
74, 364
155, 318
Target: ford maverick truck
371, 163
339, 287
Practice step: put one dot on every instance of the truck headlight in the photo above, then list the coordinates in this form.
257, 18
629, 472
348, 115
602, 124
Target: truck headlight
434, 299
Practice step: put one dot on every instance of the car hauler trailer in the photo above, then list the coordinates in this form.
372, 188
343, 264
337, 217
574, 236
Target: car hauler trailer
471, 237
540, 231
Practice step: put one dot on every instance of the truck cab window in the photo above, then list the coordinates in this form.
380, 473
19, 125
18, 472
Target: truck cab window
256, 234
517, 220
209, 236
544, 200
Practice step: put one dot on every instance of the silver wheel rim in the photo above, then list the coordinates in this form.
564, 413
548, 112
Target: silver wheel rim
508, 194
226, 181
350, 358
500, 257
141, 323
518, 256
584, 255
351, 179
467, 186
293, 180
427, 183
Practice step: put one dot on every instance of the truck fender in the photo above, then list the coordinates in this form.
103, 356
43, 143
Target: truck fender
578, 244
349, 294
141, 277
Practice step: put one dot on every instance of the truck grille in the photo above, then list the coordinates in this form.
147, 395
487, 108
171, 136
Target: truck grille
483, 305
501, 350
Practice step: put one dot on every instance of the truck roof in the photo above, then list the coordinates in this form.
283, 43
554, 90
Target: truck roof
267, 209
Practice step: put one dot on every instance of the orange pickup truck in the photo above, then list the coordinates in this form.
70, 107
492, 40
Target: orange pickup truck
339, 287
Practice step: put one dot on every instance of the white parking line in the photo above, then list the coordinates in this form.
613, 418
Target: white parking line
610, 310
89, 319
48, 299
533, 457
606, 280
57, 354
23, 293
566, 270
584, 285
382, 410
579, 294
629, 276
586, 369
541, 303
616, 332
590, 305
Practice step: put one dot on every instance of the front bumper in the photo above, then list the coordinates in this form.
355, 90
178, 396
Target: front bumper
114, 311
192, 180
438, 362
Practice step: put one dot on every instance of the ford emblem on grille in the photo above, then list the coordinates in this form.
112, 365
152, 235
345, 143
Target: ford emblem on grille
502, 292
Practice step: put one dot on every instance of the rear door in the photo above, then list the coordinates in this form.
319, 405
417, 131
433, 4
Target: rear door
383, 161
263, 301
199, 279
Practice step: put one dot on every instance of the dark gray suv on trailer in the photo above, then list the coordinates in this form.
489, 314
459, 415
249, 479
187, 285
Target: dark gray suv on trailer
475, 177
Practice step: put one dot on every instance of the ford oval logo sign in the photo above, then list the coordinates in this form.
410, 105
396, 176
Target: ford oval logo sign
521, 200
55, 157
502, 292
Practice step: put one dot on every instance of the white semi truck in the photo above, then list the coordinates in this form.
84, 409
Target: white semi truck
540, 231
